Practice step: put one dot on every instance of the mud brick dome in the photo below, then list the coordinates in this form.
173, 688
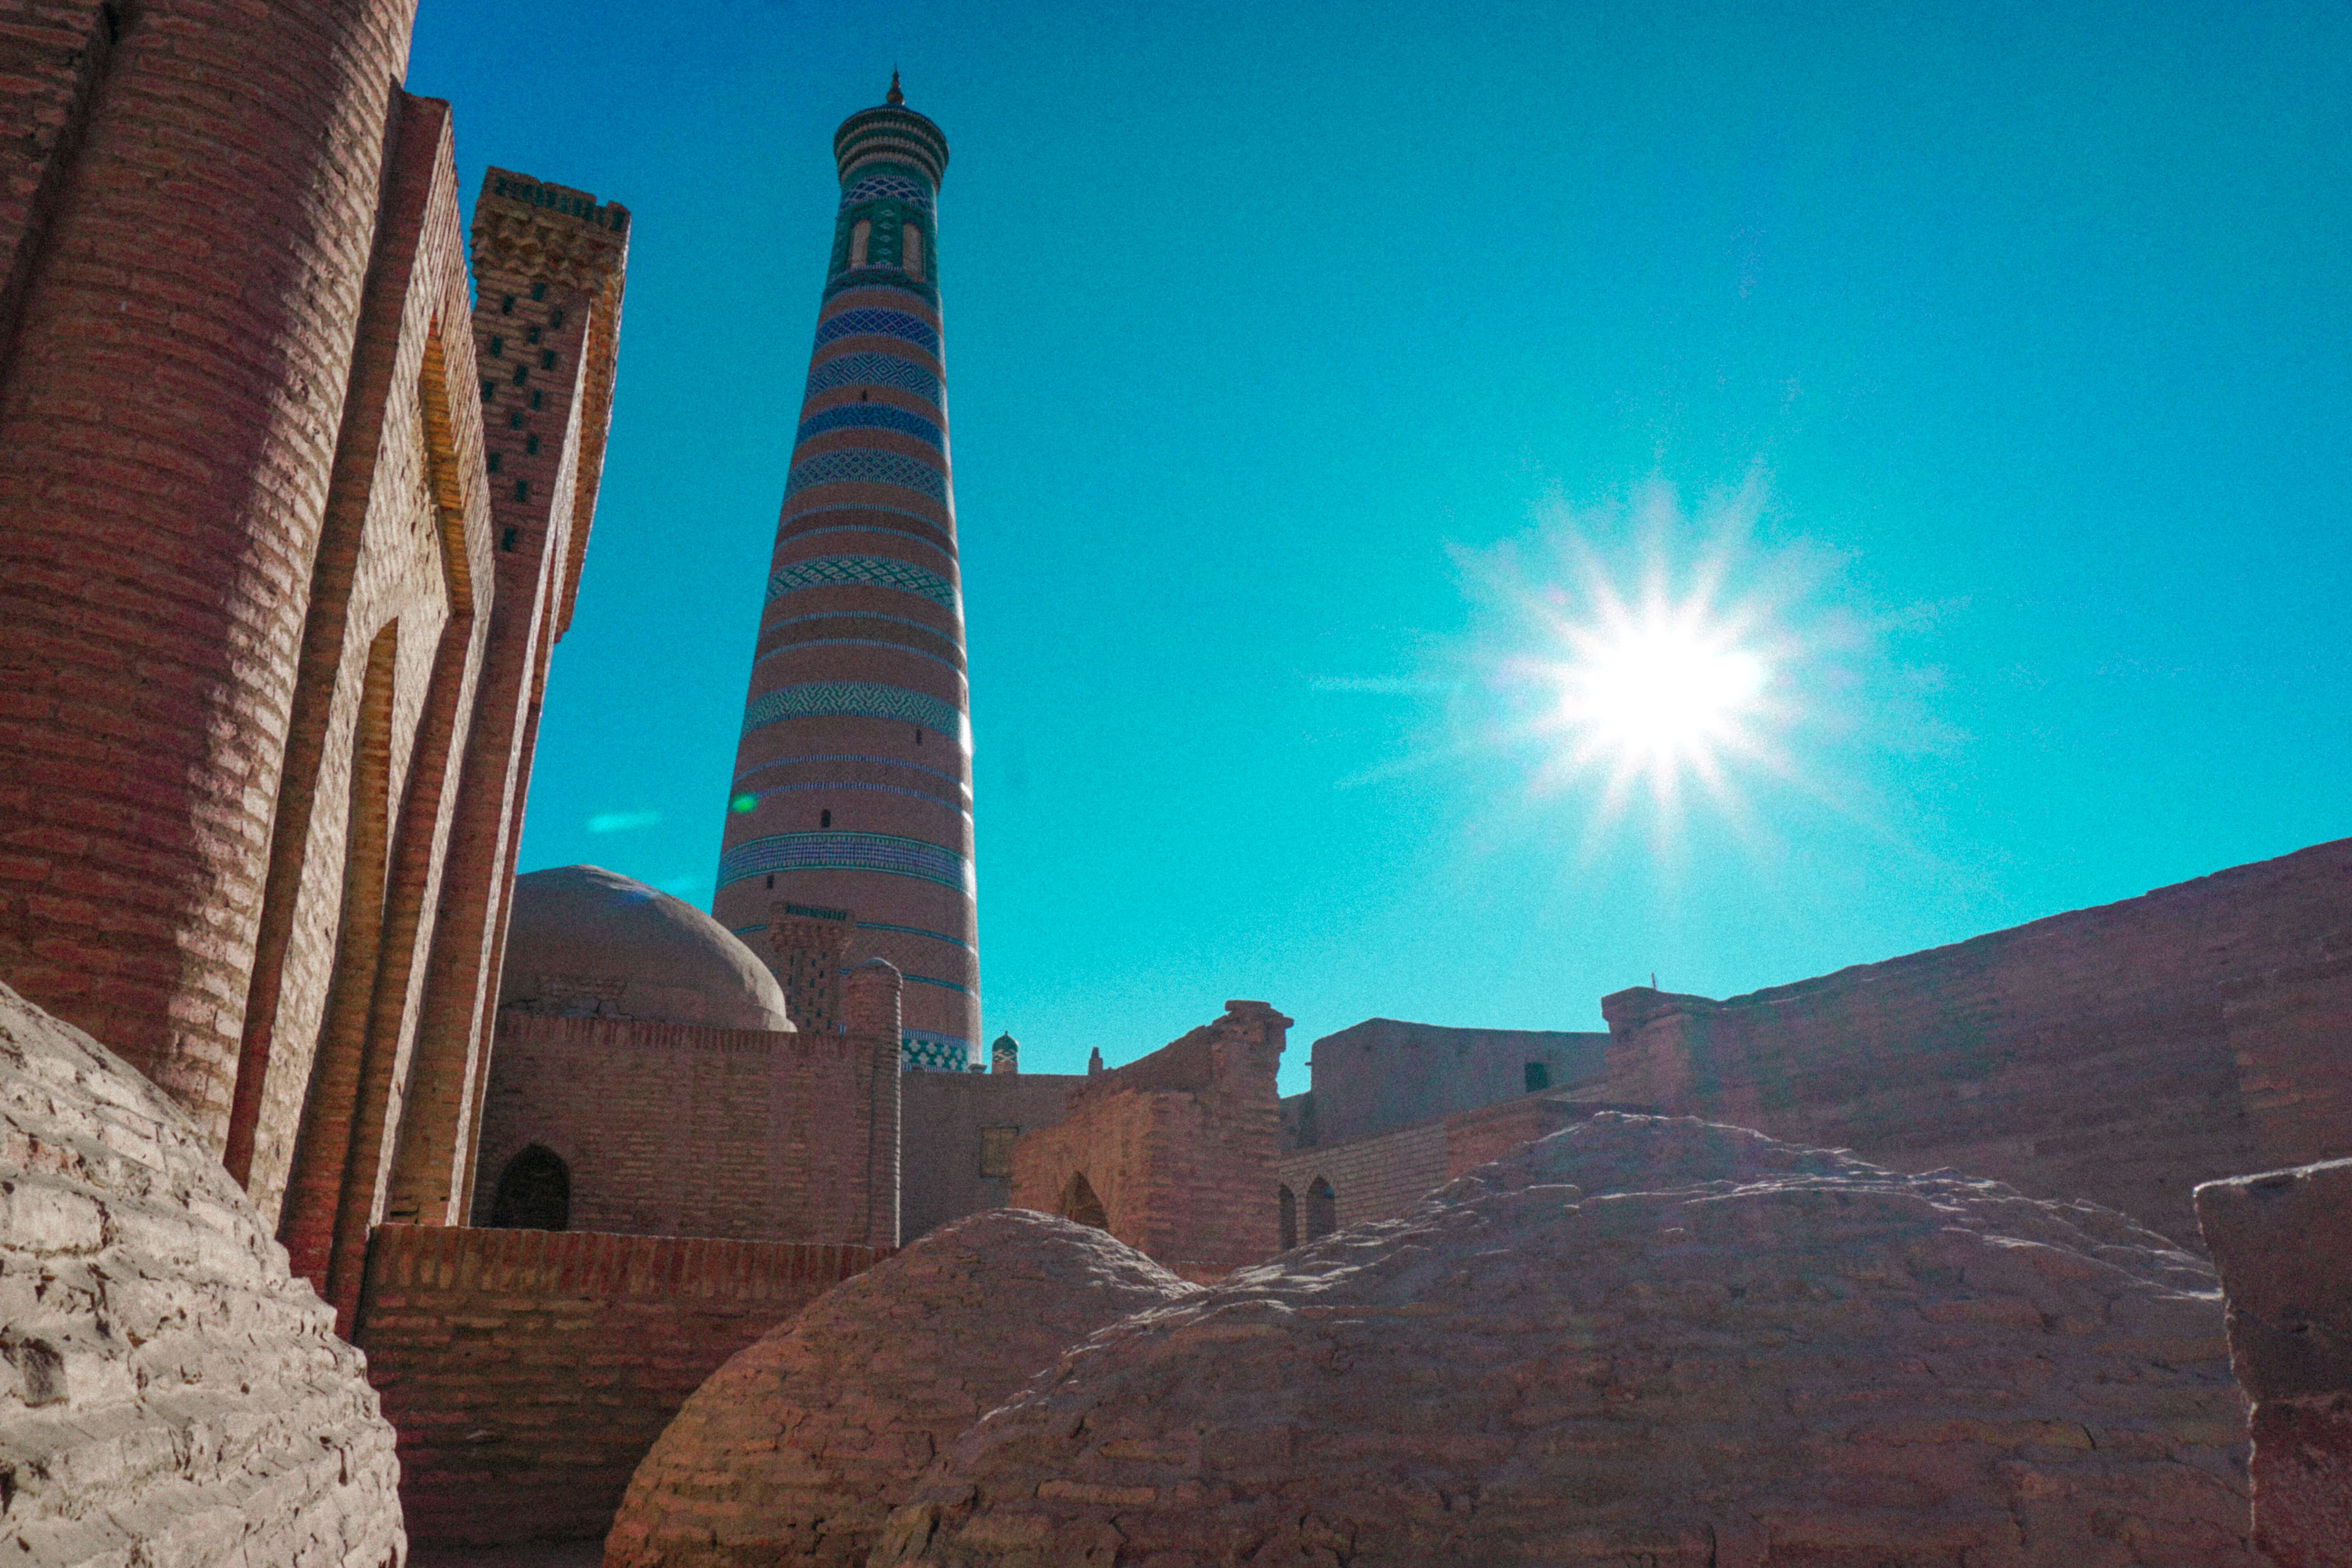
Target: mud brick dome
851, 801
796, 1451
1640, 1340
146, 1307
588, 942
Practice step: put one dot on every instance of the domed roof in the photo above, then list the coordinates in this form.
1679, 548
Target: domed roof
586, 943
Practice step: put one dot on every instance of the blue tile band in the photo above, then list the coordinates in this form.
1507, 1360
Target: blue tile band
863, 571
861, 698
882, 852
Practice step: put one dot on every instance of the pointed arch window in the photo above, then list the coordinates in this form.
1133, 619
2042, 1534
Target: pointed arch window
910, 251
861, 234
534, 1192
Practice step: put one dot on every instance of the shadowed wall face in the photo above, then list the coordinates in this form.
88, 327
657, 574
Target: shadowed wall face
2122, 1054
852, 795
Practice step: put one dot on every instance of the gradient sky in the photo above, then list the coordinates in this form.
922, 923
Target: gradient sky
1993, 363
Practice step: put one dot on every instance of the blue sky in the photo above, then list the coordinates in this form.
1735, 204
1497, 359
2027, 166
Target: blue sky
1989, 367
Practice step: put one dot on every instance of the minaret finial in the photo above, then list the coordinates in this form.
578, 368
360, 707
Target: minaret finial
895, 95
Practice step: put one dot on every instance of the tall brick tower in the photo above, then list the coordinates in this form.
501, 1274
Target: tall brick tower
852, 797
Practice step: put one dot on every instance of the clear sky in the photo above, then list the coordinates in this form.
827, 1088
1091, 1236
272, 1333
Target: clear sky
1975, 380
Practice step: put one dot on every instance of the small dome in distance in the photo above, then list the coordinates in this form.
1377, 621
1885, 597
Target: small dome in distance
586, 942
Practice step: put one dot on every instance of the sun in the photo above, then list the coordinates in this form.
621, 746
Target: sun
1659, 691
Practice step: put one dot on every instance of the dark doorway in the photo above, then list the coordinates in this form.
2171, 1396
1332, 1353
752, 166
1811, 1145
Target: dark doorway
1322, 1209
1079, 1203
534, 1192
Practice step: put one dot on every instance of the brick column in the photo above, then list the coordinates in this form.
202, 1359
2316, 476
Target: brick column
870, 1015
167, 424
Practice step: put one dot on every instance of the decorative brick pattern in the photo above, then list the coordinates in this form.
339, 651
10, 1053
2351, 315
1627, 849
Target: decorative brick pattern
868, 571
873, 416
875, 370
873, 324
866, 698
529, 1371
867, 466
885, 854
847, 708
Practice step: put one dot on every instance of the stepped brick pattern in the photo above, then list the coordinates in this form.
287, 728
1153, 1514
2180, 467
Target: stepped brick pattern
852, 795
2123, 1054
1640, 1340
2282, 1241
1173, 1153
169, 1392
796, 1451
528, 1372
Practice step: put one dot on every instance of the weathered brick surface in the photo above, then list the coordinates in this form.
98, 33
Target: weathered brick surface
2123, 1054
1639, 1340
796, 1451
528, 1372
1178, 1148
171, 1394
52, 53
681, 1129
1385, 1073
2283, 1242
573, 251
940, 1154
1382, 1176
168, 426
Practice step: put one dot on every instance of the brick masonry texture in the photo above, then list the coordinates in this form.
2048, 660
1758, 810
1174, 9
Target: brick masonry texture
1385, 1073
1177, 1149
529, 1371
182, 348
1382, 1176
683, 1129
2123, 1054
853, 778
796, 1451
1639, 1340
944, 1114
169, 1392
2282, 1241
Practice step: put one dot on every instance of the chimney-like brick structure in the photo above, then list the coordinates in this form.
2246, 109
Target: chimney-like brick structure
853, 778
871, 1016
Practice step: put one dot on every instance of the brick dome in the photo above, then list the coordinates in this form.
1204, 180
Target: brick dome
796, 1451
587, 943
1639, 1340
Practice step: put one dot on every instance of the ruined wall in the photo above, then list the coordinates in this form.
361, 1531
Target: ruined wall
169, 1393
2283, 1243
679, 1130
1383, 1073
528, 1372
2122, 1054
171, 413
945, 1158
1173, 1153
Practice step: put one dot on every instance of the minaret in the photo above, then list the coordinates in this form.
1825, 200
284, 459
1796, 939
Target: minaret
852, 799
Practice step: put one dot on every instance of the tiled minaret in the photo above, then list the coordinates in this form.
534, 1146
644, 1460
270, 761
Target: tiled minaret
852, 796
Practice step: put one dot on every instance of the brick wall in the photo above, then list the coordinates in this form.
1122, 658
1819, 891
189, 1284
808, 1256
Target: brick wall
2121, 1054
941, 1153
1382, 1176
1184, 1174
528, 1372
1385, 1073
680, 1129
169, 420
